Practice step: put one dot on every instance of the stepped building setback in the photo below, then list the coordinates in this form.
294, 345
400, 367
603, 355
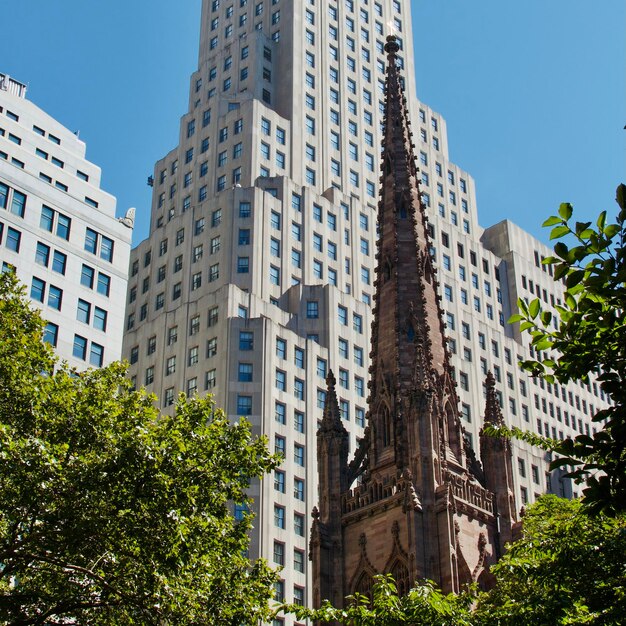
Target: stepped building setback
59, 233
257, 277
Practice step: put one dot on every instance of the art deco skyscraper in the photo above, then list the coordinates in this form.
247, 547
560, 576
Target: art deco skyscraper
257, 275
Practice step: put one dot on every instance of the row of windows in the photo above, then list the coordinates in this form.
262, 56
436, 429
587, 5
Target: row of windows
280, 416
85, 350
42, 154
280, 521
541, 293
46, 156
192, 383
53, 222
298, 485
42, 133
87, 313
98, 244
38, 291
258, 11
12, 200
298, 450
14, 161
95, 280
279, 596
213, 41
245, 373
565, 395
448, 294
298, 556
172, 335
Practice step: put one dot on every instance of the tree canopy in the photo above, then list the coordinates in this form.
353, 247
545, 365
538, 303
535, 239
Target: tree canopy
590, 339
568, 568
111, 513
424, 605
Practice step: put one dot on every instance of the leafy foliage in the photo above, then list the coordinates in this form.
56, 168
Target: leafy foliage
568, 568
424, 605
590, 339
111, 513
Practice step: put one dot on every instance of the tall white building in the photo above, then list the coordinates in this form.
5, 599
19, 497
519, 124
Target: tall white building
257, 276
58, 231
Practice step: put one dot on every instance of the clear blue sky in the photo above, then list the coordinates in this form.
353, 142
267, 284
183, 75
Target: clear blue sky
533, 92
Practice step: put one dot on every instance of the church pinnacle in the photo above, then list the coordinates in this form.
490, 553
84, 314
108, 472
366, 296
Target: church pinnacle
409, 503
409, 350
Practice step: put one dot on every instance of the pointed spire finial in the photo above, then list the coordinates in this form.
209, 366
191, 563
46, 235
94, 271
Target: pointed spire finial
331, 381
331, 419
392, 46
493, 412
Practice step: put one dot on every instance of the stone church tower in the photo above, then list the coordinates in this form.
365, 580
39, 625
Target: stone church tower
414, 501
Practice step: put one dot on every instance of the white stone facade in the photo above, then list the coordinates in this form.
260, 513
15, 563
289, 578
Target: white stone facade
59, 232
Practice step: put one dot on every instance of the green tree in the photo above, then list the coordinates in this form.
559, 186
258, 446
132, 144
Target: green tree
425, 605
590, 339
111, 513
568, 568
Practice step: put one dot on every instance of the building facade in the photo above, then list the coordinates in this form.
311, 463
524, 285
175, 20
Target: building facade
257, 276
59, 233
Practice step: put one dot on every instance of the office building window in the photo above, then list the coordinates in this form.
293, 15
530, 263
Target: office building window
79, 349
245, 372
244, 405
279, 516
298, 489
279, 481
51, 334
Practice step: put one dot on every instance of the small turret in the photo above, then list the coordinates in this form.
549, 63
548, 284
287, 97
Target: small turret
326, 534
495, 453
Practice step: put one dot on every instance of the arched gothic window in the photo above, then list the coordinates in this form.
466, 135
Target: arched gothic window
385, 422
364, 585
400, 574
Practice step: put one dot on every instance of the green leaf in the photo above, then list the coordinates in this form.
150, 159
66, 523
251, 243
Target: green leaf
620, 196
546, 317
574, 278
566, 210
559, 231
560, 271
552, 220
601, 221
543, 344
561, 250
533, 308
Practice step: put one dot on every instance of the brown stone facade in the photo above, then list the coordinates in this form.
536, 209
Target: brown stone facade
414, 501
